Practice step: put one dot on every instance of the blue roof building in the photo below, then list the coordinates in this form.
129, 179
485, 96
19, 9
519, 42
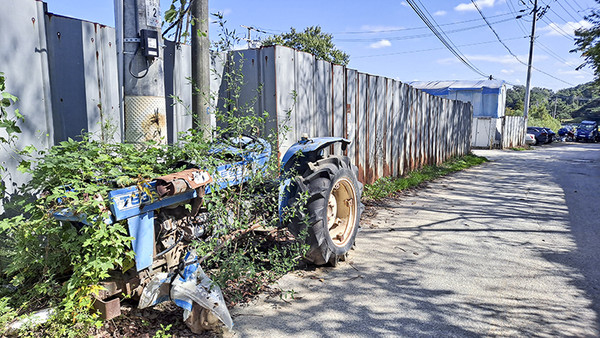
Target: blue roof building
488, 97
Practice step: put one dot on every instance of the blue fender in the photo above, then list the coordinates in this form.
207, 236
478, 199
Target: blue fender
310, 145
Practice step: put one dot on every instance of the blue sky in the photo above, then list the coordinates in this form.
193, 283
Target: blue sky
388, 38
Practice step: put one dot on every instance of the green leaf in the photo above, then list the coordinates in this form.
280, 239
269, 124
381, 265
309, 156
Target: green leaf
24, 166
170, 14
8, 96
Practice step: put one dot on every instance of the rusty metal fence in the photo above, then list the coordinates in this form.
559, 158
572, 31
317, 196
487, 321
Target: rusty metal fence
393, 127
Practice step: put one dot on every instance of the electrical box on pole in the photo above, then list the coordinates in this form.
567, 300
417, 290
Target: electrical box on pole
143, 73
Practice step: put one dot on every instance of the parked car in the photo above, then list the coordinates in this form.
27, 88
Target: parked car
567, 132
529, 139
587, 131
551, 135
541, 135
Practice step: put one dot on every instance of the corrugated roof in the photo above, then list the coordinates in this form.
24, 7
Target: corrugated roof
458, 84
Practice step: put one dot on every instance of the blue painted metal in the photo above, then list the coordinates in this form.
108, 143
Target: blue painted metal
130, 202
311, 145
141, 228
253, 154
67, 215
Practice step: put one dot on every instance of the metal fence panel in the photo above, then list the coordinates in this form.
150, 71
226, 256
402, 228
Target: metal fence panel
338, 99
380, 131
362, 140
321, 117
371, 165
351, 112
289, 106
178, 88
305, 88
24, 61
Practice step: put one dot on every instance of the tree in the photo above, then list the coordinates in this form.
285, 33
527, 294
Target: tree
588, 43
311, 40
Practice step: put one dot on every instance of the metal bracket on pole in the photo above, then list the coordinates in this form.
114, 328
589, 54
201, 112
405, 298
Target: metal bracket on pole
137, 40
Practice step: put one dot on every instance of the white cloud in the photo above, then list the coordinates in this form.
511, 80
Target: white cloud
570, 72
507, 71
440, 13
468, 6
405, 4
380, 29
381, 44
568, 28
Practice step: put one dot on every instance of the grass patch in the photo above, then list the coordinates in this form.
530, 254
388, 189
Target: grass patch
520, 148
385, 186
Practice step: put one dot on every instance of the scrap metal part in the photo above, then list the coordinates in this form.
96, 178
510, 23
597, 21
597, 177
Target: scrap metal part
188, 289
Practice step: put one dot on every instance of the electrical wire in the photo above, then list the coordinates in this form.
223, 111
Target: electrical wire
560, 17
515, 13
131, 62
566, 11
578, 5
510, 51
442, 39
432, 49
413, 28
559, 58
555, 27
417, 36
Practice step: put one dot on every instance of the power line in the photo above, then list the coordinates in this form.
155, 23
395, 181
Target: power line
415, 28
578, 5
566, 11
515, 13
442, 39
555, 27
432, 49
416, 36
560, 17
509, 50
559, 58
492, 28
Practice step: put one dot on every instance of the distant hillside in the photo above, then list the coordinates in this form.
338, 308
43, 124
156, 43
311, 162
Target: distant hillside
571, 104
587, 99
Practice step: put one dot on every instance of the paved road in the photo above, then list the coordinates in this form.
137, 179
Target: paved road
510, 248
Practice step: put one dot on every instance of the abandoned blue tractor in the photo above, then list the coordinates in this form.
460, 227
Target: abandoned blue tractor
167, 215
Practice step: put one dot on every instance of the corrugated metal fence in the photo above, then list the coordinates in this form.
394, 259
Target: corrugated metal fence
64, 72
393, 127
513, 131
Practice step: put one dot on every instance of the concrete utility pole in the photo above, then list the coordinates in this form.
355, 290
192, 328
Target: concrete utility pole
143, 73
201, 67
528, 83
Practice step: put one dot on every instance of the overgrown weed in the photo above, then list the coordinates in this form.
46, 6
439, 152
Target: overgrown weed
386, 186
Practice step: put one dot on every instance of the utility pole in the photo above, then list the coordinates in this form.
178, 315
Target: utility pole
143, 73
201, 68
250, 28
528, 83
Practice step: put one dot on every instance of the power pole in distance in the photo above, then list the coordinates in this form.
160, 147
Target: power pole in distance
528, 83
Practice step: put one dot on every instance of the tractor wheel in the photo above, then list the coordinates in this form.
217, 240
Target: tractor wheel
331, 212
